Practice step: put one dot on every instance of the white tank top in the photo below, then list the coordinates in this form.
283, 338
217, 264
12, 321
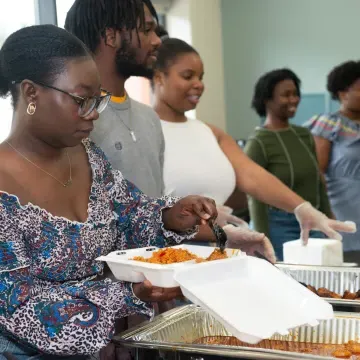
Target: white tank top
194, 163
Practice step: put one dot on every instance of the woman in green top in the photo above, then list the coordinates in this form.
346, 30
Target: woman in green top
288, 152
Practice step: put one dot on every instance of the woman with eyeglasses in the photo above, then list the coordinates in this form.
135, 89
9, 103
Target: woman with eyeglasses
62, 206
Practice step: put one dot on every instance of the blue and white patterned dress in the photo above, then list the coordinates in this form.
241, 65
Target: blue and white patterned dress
343, 171
49, 295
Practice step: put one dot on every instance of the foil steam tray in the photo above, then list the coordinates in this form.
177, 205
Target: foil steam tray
335, 278
177, 330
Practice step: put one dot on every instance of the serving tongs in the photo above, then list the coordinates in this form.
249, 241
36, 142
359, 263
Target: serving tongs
220, 235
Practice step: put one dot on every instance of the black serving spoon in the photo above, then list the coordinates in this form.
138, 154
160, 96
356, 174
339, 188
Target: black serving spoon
220, 235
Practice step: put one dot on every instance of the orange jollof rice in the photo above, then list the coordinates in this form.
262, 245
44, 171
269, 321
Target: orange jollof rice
168, 256
171, 256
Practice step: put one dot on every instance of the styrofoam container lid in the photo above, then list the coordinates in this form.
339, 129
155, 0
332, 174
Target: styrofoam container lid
252, 298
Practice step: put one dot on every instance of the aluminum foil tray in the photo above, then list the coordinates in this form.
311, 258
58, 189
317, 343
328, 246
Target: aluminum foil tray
337, 279
177, 329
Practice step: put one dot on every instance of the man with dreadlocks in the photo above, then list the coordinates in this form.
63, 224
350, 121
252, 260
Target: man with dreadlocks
121, 35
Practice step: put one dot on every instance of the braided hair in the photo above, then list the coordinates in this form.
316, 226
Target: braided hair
38, 53
89, 19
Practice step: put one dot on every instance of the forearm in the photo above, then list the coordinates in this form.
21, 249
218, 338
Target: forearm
254, 180
147, 225
268, 189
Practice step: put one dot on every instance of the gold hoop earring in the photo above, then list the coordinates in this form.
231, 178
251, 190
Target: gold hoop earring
31, 108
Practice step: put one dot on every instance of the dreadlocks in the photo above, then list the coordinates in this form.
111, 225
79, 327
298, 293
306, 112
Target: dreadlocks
89, 19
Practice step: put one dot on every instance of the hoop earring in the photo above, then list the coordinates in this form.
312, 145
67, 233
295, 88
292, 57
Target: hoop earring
31, 108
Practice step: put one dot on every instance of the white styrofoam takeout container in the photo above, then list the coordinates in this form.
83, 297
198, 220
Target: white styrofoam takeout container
319, 252
125, 269
252, 298
249, 296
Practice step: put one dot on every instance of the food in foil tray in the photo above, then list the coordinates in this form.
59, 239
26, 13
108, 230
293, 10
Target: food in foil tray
172, 256
326, 293
350, 350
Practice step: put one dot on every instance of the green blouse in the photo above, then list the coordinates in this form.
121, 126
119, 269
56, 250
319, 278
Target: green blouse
289, 155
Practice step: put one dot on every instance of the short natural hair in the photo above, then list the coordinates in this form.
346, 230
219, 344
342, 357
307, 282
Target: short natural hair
38, 53
264, 88
342, 77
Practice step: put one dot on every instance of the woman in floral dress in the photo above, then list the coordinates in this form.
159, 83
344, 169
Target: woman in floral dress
62, 206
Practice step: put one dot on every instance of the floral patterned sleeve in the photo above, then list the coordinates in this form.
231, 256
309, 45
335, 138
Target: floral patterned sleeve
139, 216
140, 219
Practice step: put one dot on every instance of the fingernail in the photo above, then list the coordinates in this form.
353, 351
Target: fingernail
206, 217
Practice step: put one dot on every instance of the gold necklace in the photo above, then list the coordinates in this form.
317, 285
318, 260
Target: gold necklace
66, 184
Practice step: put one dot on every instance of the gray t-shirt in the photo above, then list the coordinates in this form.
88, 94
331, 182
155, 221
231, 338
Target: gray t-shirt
140, 161
343, 171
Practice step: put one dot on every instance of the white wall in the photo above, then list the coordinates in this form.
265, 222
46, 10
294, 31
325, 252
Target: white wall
178, 20
309, 36
13, 16
205, 16
198, 22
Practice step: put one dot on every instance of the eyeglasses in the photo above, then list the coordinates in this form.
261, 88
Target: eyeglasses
86, 104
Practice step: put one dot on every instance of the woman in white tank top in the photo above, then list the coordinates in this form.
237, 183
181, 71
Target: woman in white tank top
194, 163
202, 159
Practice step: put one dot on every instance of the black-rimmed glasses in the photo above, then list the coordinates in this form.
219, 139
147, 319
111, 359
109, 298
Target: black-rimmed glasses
86, 104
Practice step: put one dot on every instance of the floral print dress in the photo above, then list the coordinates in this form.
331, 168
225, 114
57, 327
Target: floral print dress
50, 294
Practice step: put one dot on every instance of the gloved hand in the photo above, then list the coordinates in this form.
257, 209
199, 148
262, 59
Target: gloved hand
311, 219
249, 241
225, 217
